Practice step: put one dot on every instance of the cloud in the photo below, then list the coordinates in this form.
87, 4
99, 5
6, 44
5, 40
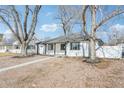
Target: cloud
8, 37
49, 27
117, 27
114, 29
8, 34
49, 14
101, 33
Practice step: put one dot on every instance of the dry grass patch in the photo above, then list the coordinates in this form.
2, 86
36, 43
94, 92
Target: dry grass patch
103, 64
67, 72
7, 54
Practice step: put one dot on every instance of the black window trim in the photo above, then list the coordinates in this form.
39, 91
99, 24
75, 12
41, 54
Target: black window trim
77, 43
51, 46
61, 46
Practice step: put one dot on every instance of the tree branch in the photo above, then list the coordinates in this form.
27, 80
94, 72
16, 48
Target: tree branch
16, 28
9, 26
18, 22
111, 15
84, 19
34, 22
25, 22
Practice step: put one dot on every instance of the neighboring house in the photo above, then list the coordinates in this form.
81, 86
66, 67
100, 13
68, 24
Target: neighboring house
15, 47
1, 36
78, 45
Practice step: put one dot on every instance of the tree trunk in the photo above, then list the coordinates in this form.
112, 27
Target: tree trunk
93, 38
24, 49
92, 49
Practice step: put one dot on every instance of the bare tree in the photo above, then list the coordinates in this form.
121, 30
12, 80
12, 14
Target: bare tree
11, 17
66, 16
95, 25
116, 34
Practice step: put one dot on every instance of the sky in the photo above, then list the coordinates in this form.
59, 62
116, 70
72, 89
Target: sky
48, 26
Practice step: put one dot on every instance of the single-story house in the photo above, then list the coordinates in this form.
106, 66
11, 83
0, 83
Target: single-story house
77, 44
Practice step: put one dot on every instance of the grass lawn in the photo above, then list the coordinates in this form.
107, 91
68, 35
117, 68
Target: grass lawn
7, 54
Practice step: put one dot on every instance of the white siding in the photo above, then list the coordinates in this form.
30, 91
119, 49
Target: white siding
41, 49
82, 52
58, 50
11, 49
15, 50
102, 52
49, 52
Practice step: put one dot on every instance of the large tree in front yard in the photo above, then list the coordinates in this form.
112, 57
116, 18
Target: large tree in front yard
18, 23
66, 16
92, 11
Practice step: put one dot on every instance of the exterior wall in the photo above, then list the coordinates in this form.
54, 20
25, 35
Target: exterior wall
41, 49
2, 49
102, 52
58, 50
109, 52
12, 49
9, 48
15, 51
49, 52
84, 50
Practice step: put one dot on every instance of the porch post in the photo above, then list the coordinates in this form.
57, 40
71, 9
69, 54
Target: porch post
65, 48
54, 48
45, 48
37, 49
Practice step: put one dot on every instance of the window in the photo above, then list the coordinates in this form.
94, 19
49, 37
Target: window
31, 47
62, 46
50, 46
16, 47
75, 46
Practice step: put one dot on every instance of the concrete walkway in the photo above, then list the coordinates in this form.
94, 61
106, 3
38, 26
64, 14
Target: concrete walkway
25, 64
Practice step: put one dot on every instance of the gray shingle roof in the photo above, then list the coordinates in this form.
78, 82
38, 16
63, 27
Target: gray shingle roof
75, 37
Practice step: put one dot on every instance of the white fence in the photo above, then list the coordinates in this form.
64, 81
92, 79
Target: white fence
109, 52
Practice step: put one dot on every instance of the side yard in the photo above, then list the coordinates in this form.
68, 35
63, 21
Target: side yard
64, 72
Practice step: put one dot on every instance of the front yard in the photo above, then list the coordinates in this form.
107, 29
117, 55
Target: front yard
7, 54
62, 72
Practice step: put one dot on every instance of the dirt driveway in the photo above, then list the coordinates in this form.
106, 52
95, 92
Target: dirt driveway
65, 72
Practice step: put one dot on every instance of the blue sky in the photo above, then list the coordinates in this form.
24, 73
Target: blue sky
48, 25
46, 18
